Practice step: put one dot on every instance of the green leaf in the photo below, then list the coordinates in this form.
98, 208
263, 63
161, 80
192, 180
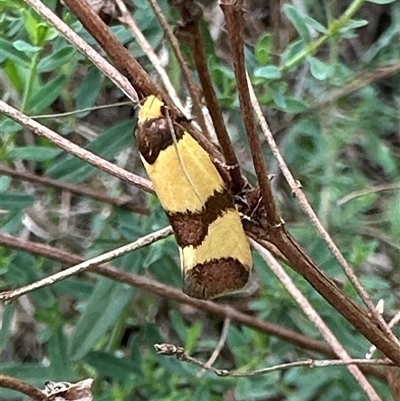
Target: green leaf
46, 95
89, 90
8, 50
381, 1
58, 355
294, 105
268, 72
25, 47
102, 311
8, 316
10, 200
192, 336
292, 51
278, 95
5, 182
353, 24
298, 21
319, 70
34, 153
51, 62
112, 367
263, 49
8, 126
109, 144
315, 24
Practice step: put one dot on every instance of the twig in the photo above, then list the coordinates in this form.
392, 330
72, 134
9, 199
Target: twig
191, 33
100, 62
76, 150
193, 90
78, 111
120, 56
314, 317
301, 198
127, 19
180, 354
334, 27
233, 12
357, 82
124, 201
392, 323
21, 386
364, 192
218, 348
9, 296
162, 290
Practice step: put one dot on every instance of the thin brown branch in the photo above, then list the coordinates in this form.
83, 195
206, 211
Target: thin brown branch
13, 383
379, 188
233, 12
218, 348
193, 90
393, 379
126, 18
120, 56
358, 82
9, 296
127, 66
76, 150
383, 336
100, 62
190, 31
181, 355
125, 201
77, 111
315, 318
162, 290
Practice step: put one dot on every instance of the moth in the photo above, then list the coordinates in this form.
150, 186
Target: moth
214, 250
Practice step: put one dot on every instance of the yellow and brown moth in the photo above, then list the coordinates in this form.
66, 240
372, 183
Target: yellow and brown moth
215, 253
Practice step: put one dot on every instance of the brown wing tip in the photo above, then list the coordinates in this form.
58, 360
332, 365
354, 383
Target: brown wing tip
215, 278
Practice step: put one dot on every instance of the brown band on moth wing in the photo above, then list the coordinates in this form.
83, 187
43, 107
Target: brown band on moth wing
191, 228
154, 136
215, 277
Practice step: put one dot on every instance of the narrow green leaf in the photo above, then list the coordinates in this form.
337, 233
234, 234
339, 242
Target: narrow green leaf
58, 355
294, 105
278, 97
102, 311
46, 95
298, 21
10, 201
35, 153
5, 182
6, 324
109, 144
292, 50
25, 47
8, 126
268, 72
8, 50
353, 24
51, 62
315, 24
263, 49
381, 1
319, 70
192, 336
110, 366
89, 90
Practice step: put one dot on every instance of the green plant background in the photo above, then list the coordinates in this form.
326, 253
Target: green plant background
89, 326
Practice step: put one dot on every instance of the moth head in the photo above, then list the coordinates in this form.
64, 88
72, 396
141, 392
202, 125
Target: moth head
151, 108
